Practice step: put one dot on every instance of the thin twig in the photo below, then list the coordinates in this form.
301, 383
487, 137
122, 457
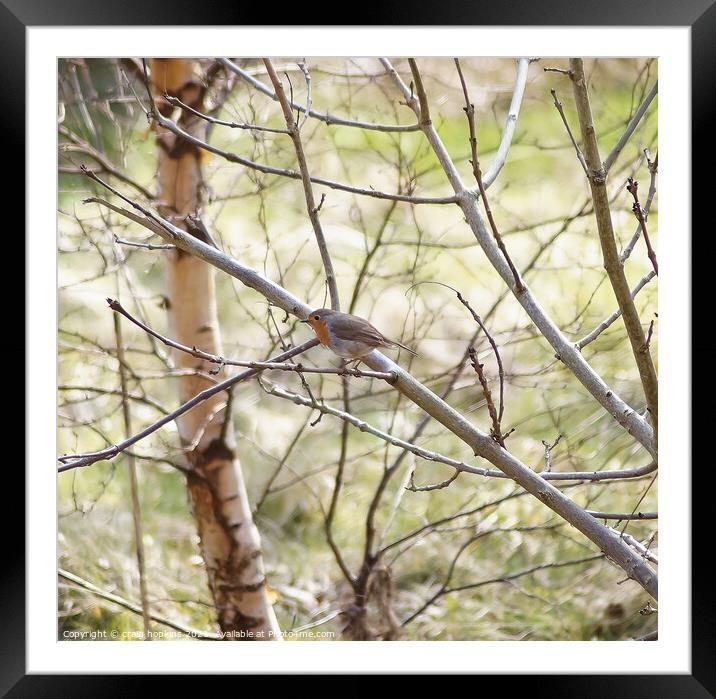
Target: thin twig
548, 452
146, 246
633, 189
481, 444
623, 516
650, 332
496, 431
133, 485
336, 493
132, 607
580, 155
612, 264
313, 210
558, 70
469, 110
176, 102
444, 589
223, 361
329, 119
490, 339
631, 126
71, 461
426, 488
635, 544
653, 170
580, 344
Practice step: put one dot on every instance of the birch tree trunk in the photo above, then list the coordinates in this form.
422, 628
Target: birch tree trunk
230, 542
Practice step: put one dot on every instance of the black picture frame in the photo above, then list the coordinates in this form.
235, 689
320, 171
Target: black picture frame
700, 15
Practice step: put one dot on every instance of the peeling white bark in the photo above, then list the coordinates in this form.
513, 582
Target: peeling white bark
230, 542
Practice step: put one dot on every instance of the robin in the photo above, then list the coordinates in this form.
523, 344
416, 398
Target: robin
348, 336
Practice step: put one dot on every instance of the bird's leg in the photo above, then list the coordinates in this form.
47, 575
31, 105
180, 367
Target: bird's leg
354, 362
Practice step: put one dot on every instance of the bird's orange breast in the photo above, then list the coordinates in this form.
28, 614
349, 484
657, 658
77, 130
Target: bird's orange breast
321, 333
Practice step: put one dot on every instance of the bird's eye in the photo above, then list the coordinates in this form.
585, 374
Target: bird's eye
316, 318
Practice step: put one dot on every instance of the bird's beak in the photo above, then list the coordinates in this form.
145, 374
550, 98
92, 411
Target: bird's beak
303, 321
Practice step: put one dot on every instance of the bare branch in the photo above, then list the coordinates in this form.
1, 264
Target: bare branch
329, 119
548, 448
313, 210
597, 182
101, 159
145, 246
176, 102
623, 516
562, 71
482, 444
366, 427
172, 126
653, 169
496, 429
116, 599
633, 123
133, 483
459, 466
507, 577
71, 461
510, 123
224, 361
580, 155
426, 488
632, 188
470, 113
581, 344
565, 350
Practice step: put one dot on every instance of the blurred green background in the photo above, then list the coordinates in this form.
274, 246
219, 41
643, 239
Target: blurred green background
541, 205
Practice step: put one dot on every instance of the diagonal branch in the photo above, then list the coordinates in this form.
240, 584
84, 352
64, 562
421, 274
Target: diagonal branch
176, 102
445, 589
101, 159
224, 361
565, 350
482, 444
581, 344
178, 131
71, 461
560, 109
132, 607
631, 126
329, 119
653, 166
313, 210
436, 457
612, 263
632, 188
470, 113
510, 123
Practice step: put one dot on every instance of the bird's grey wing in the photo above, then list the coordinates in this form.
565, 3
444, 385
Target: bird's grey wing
361, 330
357, 329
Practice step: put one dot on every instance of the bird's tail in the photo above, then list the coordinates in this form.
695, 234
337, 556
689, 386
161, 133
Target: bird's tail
395, 343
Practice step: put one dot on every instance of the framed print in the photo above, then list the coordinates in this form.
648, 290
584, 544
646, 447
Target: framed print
357, 334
